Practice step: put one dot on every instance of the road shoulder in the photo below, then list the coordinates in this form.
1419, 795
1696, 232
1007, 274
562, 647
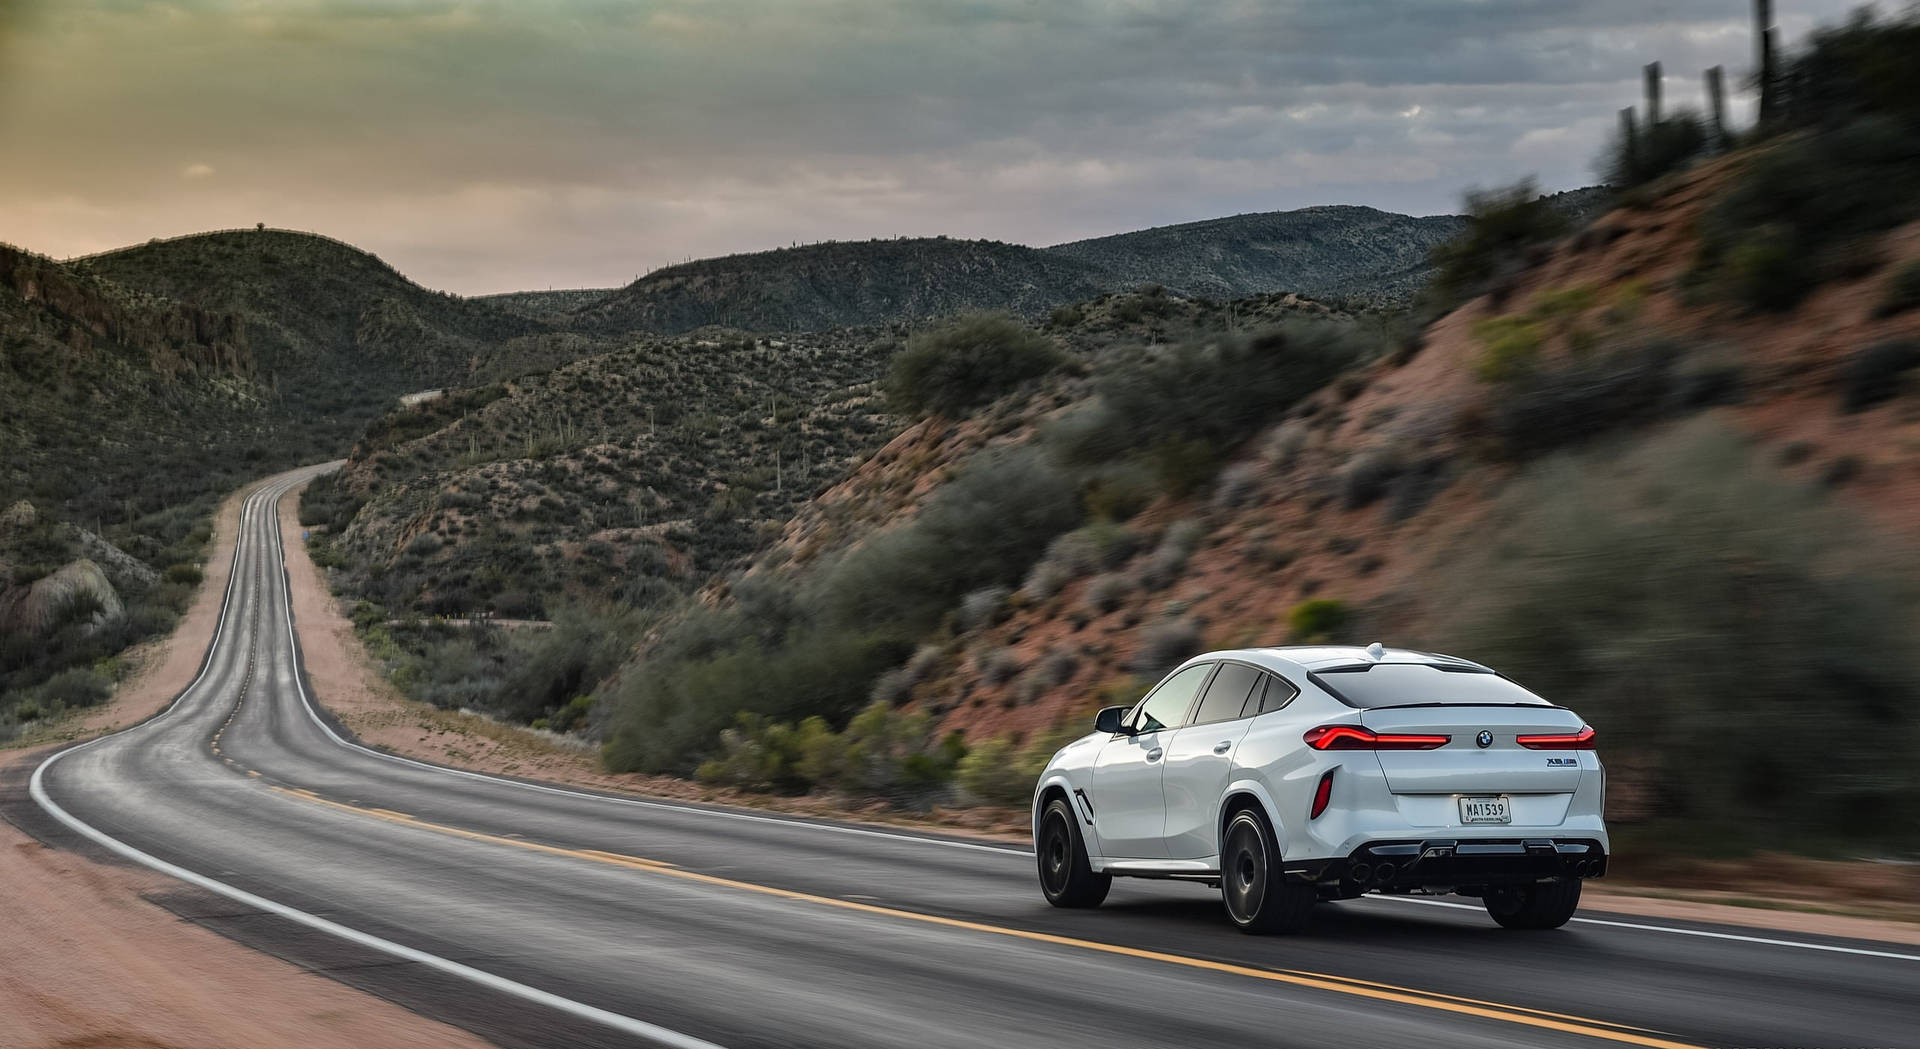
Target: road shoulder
89, 961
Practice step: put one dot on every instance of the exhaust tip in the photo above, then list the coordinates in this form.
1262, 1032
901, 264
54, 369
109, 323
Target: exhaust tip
1383, 873
1361, 873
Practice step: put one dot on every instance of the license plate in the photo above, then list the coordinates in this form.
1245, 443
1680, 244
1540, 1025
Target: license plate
1485, 810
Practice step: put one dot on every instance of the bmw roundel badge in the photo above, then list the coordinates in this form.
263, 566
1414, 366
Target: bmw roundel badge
1484, 739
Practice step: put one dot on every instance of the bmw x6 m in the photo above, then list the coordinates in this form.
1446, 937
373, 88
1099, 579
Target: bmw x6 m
1286, 776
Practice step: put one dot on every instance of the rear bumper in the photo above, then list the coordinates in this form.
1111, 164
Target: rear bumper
1453, 863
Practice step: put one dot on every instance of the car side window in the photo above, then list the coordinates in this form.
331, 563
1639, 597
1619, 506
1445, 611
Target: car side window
1166, 706
1228, 693
1276, 693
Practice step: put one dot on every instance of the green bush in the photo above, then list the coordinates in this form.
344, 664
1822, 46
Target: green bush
1577, 400
882, 753
75, 687
819, 646
1503, 226
1200, 398
1874, 374
1903, 291
187, 574
1655, 150
967, 361
1767, 241
1318, 619
1747, 651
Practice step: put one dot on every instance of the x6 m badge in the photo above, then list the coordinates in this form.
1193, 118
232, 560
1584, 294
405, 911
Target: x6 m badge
1484, 739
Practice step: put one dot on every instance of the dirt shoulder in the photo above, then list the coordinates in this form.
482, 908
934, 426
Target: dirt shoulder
89, 962
1842, 899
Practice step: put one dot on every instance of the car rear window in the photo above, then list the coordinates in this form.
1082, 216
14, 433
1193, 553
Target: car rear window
1405, 684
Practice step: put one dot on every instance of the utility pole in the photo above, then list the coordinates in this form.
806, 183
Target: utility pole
1630, 140
1653, 96
1717, 105
1763, 41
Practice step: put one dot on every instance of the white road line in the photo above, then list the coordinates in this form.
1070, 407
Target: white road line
617, 1021
36, 787
307, 702
1767, 941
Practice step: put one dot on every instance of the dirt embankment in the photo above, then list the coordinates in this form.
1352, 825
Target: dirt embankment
88, 962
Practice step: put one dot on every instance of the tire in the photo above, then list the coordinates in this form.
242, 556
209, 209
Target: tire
1257, 898
1066, 877
1542, 905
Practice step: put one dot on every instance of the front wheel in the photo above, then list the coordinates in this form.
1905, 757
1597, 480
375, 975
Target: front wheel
1259, 899
1065, 875
1542, 905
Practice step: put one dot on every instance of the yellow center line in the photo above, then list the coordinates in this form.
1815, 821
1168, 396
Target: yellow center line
1521, 1015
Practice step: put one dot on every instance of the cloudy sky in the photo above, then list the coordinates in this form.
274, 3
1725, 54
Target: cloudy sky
508, 144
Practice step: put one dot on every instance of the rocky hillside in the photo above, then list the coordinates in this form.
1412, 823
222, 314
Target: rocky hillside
126, 415
626, 476
337, 332
551, 306
843, 283
1320, 252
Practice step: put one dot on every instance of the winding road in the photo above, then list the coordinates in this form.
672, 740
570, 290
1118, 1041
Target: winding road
541, 916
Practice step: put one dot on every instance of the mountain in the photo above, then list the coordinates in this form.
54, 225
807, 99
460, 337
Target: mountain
1319, 252
337, 332
551, 306
843, 283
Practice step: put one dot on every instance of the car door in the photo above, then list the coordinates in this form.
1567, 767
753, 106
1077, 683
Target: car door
1129, 811
1199, 760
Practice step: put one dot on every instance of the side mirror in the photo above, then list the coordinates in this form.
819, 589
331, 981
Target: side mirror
1110, 720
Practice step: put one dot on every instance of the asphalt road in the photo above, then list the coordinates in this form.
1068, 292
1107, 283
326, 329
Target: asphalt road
542, 916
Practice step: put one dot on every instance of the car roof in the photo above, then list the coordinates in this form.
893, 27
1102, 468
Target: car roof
1311, 658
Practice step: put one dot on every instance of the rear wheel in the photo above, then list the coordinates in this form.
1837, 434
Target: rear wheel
1542, 905
1065, 875
1259, 899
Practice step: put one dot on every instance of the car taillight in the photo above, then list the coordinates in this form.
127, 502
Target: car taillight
1322, 794
1355, 737
1581, 740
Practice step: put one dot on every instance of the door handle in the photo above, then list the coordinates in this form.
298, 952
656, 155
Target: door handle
1223, 746
1154, 754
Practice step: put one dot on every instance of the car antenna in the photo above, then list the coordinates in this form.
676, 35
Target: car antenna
1376, 651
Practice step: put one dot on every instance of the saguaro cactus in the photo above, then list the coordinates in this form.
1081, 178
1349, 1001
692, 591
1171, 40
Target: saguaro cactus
1653, 95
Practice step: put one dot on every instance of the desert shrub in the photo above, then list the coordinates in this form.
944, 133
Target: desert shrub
1744, 647
1510, 344
1369, 475
1108, 592
1318, 619
1578, 399
984, 607
881, 753
967, 361
1165, 644
817, 647
1874, 374
75, 687
996, 772
1655, 150
1864, 67
188, 574
997, 666
1169, 558
1903, 291
1503, 226
1056, 668
1193, 400
1237, 484
1765, 241
1065, 316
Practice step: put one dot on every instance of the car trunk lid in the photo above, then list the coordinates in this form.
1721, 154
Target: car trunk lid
1463, 765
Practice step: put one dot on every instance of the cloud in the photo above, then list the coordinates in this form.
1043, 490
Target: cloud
487, 144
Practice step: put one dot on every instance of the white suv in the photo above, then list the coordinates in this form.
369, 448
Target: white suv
1290, 775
